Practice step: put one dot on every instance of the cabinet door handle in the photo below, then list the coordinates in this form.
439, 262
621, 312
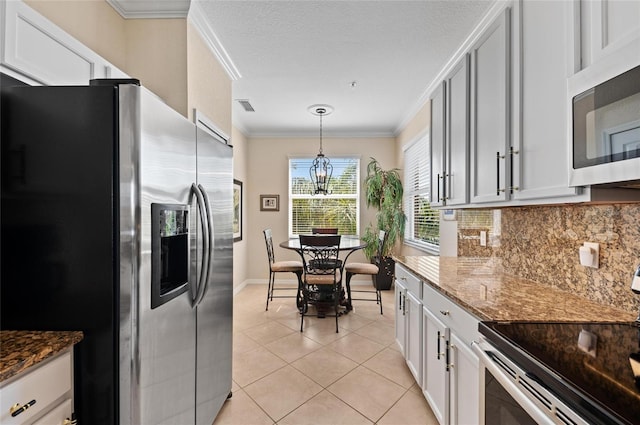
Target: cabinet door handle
438, 188
447, 189
498, 158
16, 409
511, 153
448, 359
438, 352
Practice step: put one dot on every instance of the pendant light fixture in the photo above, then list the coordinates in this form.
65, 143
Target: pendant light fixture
321, 168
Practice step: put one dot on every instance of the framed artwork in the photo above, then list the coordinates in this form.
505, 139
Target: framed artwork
237, 210
269, 202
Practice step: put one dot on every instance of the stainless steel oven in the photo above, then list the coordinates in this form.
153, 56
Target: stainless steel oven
513, 396
559, 373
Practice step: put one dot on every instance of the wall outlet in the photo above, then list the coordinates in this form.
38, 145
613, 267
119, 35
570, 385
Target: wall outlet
589, 254
483, 238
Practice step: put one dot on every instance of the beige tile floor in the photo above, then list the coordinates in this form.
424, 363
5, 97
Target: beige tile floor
318, 376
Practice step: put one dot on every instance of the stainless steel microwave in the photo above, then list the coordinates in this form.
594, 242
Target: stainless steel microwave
606, 132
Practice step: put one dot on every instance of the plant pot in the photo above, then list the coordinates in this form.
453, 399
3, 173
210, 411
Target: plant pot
384, 279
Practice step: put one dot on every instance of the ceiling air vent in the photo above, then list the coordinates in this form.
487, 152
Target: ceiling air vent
246, 105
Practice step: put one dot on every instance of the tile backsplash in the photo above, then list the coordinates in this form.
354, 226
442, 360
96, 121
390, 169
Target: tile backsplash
542, 244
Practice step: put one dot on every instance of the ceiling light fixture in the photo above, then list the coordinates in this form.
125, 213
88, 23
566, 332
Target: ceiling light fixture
321, 168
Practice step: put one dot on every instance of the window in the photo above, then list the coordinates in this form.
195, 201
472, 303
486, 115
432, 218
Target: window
340, 208
423, 223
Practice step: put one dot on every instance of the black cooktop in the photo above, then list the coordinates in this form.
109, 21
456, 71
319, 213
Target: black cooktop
593, 367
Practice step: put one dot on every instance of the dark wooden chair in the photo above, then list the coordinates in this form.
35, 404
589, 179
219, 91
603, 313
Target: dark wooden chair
354, 268
322, 279
324, 230
280, 267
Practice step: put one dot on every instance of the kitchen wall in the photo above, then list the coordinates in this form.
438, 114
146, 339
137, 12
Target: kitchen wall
541, 244
241, 248
208, 86
268, 173
157, 55
168, 56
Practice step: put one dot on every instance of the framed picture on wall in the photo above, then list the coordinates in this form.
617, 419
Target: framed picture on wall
237, 210
269, 202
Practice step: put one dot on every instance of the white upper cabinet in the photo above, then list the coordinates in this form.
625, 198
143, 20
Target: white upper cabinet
437, 145
35, 48
501, 125
539, 145
457, 135
450, 138
490, 112
606, 26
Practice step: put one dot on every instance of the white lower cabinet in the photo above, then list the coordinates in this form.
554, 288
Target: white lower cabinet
409, 319
401, 294
435, 335
42, 395
450, 379
464, 383
413, 343
435, 379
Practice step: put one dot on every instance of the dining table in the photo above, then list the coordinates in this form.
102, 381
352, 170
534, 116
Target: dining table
349, 244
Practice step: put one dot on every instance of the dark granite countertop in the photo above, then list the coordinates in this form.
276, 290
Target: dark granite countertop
19, 350
480, 286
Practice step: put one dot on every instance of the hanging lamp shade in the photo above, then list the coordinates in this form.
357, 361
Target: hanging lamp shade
321, 169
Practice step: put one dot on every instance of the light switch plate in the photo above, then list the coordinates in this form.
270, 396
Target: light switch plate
483, 238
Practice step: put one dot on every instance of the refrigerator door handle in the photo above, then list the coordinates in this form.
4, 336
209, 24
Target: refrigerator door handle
210, 231
204, 262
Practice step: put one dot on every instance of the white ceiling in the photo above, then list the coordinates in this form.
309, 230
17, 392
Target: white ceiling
293, 54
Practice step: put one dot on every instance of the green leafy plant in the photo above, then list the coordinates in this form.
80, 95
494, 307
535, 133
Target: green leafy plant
383, 191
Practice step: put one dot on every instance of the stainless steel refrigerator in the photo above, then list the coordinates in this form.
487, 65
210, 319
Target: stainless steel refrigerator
116, 218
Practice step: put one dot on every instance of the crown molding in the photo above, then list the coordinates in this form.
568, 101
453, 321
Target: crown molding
129, 9
189, 9
198, 19
308, 135
473, 36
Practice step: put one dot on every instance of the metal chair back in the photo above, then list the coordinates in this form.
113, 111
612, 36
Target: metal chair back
322, 270
382, 238
320, 254
268, 239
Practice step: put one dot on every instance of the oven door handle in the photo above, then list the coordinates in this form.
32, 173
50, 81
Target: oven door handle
510, 386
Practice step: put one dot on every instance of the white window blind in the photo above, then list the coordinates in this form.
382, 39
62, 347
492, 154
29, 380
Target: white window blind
340, 208
423, 223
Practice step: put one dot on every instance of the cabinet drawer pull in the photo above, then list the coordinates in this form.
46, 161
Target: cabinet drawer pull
16, 409
445, 312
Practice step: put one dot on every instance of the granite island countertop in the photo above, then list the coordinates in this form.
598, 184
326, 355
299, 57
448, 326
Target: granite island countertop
480, 286
20, 350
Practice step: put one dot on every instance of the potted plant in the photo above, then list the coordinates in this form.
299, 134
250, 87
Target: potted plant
383, 191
